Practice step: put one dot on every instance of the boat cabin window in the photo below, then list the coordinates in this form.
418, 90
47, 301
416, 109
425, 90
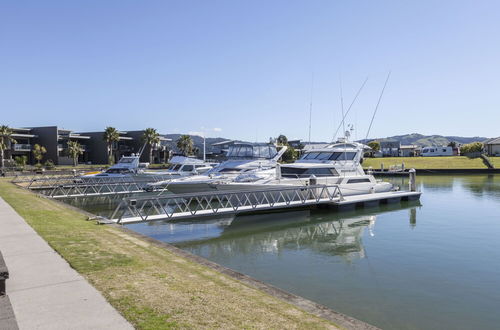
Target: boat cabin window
126, 160
198, 166
330, 156
117, 171
358, 180
249, 151
230, 170
311, 155
293, 172
187, 168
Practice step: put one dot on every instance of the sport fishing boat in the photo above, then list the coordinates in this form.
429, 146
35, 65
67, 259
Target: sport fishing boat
127, 167
336, 164
180, 166
130, 167
242, 158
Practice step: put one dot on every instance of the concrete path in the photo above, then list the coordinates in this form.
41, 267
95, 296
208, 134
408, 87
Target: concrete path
45, 292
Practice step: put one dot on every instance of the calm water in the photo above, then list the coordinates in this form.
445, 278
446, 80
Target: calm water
433, 264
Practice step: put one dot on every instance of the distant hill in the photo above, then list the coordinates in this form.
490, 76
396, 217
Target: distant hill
429, 140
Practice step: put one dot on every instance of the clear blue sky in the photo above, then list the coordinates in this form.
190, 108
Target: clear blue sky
245, 66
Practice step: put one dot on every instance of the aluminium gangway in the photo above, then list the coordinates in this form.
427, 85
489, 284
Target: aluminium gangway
184, 206
74, 186
220, 203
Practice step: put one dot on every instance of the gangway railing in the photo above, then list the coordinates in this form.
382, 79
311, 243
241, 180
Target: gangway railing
174, 207
76, 186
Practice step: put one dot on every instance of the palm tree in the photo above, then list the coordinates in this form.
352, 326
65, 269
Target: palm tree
185, 145
111, 135
74, 150
5, 141
38, 152
152, 138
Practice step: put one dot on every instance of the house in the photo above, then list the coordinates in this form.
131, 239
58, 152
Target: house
390, 148
492, 146
410, 150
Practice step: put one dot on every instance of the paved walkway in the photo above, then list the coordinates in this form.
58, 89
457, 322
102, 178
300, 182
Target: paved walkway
45, 292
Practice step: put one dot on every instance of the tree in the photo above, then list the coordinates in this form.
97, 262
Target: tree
185, 145
5, 141
290, 155
452, 144
38, 152
471, 147
151, 137
111, 135
282, 140
375, 145
74, 150
21, 161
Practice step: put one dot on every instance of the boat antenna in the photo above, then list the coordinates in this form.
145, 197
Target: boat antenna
349, 109
378, 103
311, 106
342, 104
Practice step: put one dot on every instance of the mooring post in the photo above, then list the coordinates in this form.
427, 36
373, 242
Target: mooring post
403, 166
381, 167
312, 182
413, 180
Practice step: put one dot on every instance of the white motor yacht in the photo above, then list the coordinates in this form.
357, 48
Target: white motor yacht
336, 164
180, 166
258, 160
127, 167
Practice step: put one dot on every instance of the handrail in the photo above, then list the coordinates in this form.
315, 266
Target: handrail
212, 203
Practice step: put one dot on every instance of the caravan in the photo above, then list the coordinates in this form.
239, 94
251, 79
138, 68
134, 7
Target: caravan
437, 151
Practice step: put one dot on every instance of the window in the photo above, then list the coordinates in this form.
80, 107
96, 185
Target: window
187, 168
358, 180
198, 166
292, 172
346, 156
310, 155
230, 170
324, 156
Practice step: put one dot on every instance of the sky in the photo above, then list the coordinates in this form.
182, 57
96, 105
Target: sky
249, 69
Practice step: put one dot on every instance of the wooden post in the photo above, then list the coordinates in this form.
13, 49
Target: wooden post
413, 179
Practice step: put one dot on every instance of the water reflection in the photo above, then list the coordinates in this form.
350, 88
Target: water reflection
321, 231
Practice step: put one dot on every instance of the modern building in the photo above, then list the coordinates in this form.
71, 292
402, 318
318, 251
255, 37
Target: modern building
129, 142
55, 140
390, 148
23, 146
492, 146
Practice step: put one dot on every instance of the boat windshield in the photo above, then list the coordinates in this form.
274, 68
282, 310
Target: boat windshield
329, 156
249, 151
126, 160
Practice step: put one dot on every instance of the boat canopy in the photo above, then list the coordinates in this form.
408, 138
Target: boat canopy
266, 151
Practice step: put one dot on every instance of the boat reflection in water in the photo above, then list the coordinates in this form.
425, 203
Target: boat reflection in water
321, 231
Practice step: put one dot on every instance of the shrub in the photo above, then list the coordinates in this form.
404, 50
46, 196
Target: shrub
49, 164
471, 147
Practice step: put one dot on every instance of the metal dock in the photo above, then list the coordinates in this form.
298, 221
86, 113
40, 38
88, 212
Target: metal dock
73, 186
185, 206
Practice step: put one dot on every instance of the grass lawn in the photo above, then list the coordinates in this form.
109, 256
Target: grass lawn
452, 162
495, 161
150, 286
